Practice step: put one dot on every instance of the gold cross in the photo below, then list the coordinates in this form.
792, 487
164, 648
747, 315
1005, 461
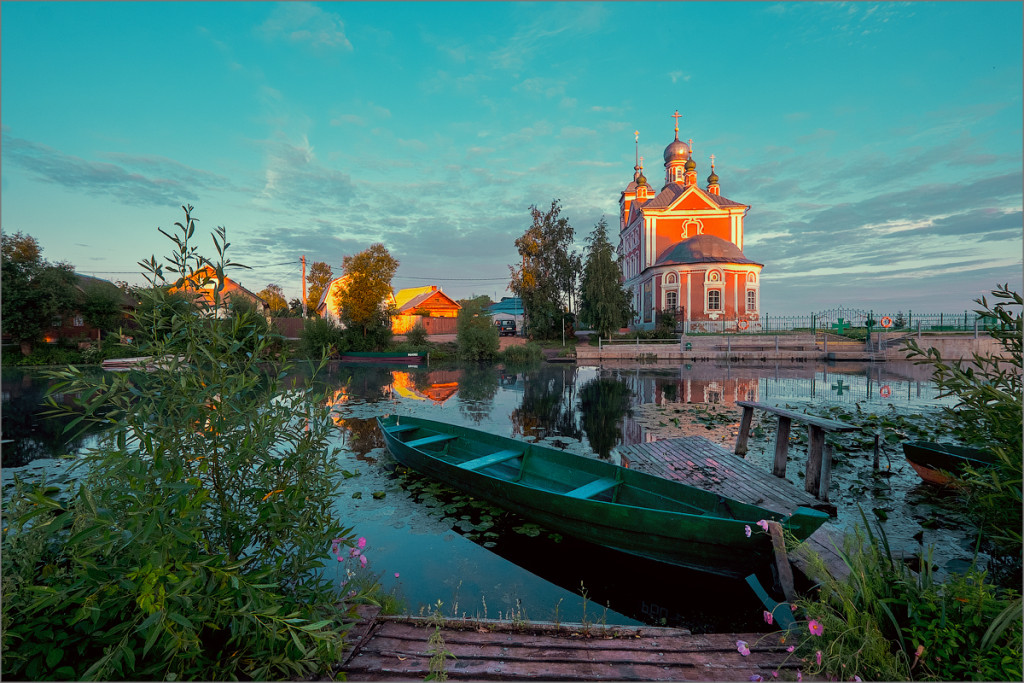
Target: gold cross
712, 161
676, 117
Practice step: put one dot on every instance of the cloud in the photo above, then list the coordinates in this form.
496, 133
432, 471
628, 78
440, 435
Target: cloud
305, 24
676, 76
161, 182
295, 179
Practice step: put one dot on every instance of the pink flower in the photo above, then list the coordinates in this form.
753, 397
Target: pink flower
799, 675
741, 647
815, 627
790, 648
817, 656
396, 575
856, 678
353, 552
775, 674
757, 677
768, 617
362, 560
746, 530
763, 523
362, 543
340, 558
792, 608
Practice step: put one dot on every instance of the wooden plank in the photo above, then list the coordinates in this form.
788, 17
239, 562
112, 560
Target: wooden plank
815, 446
437, 438
823, 423
781, 445
593, 488
741, 438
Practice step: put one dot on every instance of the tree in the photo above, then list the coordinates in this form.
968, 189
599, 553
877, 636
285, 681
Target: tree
605, 304
476, 336
274, 295
319, 278
100, 304
34, 290
546, 279
363, 302
295, 306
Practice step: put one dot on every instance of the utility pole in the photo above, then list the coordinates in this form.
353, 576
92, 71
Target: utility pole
304, 312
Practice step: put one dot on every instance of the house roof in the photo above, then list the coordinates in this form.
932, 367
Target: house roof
408, 304
230, 286
703, 249
512, 305
88, 281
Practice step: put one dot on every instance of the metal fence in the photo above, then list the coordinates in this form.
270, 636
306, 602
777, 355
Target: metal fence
840, 320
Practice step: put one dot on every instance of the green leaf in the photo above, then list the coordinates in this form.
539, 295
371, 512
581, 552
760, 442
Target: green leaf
53, 657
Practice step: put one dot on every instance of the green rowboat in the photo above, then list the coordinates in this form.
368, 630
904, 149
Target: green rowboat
593, 500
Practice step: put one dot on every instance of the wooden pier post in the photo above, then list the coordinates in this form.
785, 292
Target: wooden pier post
782, 446
815, 446
741, 438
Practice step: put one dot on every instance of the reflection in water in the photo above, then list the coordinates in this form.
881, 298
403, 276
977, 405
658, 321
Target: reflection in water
476, 393
604, 402
547, 408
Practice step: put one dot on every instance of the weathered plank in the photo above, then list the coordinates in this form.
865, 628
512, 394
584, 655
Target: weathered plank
398, 649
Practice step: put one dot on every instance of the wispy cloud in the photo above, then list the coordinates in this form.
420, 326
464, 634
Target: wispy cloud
305, 24
157, 180
296, 179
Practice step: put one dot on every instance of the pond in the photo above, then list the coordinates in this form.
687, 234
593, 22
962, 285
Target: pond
432, 543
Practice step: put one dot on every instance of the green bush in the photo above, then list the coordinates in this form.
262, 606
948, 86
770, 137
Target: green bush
522, 354
476, 335
417, 336
321, 337
193, 543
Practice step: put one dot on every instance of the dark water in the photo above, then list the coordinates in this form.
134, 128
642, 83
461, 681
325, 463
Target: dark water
481, 561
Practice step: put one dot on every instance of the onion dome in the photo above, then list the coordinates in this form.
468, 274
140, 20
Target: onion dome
691, 165
677, 150
713, 178
641, 179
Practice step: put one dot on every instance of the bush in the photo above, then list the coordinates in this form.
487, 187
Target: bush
193, 546
522, 354
417, 336
476, 335
320, 337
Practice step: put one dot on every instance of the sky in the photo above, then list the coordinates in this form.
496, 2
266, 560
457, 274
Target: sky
878, 144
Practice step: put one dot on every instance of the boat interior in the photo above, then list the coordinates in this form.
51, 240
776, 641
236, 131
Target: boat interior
537, 468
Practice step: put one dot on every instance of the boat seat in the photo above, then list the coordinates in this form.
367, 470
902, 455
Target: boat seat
398, 429
593, 488
436, 438
488, 460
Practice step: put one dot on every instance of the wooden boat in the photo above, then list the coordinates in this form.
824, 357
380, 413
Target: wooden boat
400, 357
937, 463
593, 500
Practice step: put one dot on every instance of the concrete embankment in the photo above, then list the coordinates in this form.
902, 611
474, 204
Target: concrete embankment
790, 347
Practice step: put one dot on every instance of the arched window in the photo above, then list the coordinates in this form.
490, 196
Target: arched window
751, 300
714, 300
671, 300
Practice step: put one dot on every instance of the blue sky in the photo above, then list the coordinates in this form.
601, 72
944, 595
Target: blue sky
878, 144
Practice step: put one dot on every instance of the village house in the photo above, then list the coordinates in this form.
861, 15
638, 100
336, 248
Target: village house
73, 325
682, 247
428, 307
203, 285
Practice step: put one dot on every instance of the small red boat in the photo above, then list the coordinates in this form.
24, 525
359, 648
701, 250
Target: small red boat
936, 463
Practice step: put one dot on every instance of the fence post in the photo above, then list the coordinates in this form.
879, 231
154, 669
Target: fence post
975, 327
919, 330
965, 320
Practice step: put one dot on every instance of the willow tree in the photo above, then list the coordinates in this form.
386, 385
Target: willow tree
546, 278
605, 304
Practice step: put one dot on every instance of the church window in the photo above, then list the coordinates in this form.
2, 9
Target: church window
79, 322
671, 300
714, 300
751, 300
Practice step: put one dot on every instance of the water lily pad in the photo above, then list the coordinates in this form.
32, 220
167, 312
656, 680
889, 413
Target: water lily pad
378, 495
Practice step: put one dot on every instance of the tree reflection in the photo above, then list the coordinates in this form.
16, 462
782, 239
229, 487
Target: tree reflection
477, 388
604, 401
547, 408
27, 435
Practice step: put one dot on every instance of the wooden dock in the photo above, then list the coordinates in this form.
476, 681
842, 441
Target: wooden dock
399, 649
698, 462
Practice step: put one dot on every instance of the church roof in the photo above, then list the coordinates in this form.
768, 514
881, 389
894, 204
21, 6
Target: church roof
672, 192
703, 249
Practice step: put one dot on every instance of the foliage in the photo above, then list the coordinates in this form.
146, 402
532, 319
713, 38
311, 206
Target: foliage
665, 324
100, 304
34, 290
318, 278
274, 296
417, 336
320, 337
605, 305
546, 280
193, 546
522, 354
363, 301
157, 312
476, 336
988, 415
884, 622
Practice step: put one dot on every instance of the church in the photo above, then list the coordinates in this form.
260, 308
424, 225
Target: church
682, 248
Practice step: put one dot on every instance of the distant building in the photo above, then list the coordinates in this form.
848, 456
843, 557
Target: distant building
418, 304
203, 285
509, 308
682, 247
329, 306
